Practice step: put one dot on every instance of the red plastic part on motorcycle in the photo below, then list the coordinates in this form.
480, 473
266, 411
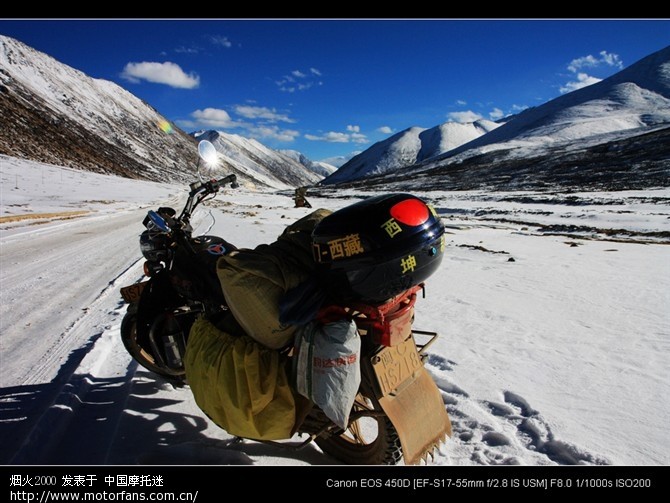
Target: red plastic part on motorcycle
410, 212
389, 324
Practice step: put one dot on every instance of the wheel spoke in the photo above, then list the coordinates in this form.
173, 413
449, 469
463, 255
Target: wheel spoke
355, 430
370, 437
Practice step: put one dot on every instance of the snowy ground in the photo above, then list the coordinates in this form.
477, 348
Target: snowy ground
560, 356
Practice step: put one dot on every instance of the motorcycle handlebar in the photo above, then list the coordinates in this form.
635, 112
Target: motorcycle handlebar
212, 186
232, 179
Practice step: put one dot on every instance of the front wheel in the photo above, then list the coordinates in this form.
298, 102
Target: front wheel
140, 354
370, 439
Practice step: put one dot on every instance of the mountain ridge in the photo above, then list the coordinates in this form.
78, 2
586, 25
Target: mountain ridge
637, 96
257, 164
630, 103
62, 116
319, 167
409, 146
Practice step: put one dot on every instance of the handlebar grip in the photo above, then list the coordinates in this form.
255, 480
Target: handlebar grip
212, 186
232, 178
226, 179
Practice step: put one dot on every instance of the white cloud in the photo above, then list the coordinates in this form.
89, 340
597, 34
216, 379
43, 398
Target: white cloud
339, 160
385, 130
268, 132
518, 108
259, 125
214, 118
300, 86
496, 114
187, 50
331, 136
611, 59
461, 103
167, 73
590, 61
269, 114
355, 129
336, 137
186, 124
298, 80
221, 41
583, 80
464, 116
585, 61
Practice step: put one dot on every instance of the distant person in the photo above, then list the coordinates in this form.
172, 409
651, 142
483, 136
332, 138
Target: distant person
299, 197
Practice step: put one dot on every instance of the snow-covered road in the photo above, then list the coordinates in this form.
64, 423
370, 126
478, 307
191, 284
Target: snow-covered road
561, 356
51, 278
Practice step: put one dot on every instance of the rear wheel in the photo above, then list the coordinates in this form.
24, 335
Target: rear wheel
369, 440
139, 353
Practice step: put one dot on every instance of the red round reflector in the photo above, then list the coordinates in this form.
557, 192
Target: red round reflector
410, 212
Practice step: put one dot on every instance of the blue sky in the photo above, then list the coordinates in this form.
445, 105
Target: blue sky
332, 87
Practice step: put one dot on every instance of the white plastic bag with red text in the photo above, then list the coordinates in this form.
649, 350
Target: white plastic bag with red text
327, 367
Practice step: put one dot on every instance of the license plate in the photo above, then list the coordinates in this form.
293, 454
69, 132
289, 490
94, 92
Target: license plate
394, 365
131, 294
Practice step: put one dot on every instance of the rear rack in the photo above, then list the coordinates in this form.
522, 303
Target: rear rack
422, 348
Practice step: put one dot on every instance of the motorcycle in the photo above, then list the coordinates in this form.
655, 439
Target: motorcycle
398, 413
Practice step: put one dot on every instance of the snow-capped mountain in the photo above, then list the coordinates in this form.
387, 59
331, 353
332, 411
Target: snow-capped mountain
340, 160
62, 116
255, 164
408, 147
319, 167
614, 135
636, 99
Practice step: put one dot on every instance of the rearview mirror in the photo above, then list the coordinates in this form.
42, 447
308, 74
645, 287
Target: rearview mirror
207, 152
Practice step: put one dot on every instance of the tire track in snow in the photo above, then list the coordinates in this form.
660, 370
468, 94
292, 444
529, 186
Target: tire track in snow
87, 397
92, 320
508, 432
98, 368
